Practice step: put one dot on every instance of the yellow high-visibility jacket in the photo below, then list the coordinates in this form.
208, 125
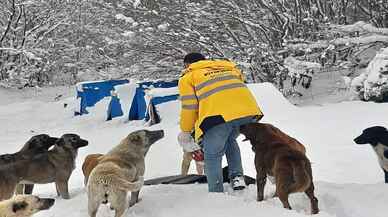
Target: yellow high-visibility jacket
213, 92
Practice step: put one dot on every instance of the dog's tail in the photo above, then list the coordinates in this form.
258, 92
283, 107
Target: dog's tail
106, 185
302, 177
129, 186
111, 179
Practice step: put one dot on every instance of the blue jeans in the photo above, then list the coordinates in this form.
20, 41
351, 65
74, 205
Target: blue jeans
220, 140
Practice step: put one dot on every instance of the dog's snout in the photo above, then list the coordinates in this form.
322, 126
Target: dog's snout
157, 134
359, 140
82, 143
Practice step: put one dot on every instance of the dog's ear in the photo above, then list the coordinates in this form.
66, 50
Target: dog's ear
17, 206
30, 144
246, 127
243, 130
45, 138
384, 138
249, 131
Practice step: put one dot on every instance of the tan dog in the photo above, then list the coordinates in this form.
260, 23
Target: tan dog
89, 164
284, 158
24, 205
120, 171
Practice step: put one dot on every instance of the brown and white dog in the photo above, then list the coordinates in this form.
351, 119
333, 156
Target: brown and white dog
282, 157
24, 205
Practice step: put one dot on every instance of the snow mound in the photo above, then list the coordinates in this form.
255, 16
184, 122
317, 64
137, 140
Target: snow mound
299, 67
125, 93
160, 92
271, 100
377, 69
375, 80
362, 26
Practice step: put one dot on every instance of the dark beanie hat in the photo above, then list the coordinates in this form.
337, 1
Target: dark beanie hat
193, 57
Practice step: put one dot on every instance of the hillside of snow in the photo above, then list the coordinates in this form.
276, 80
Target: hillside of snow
348, 180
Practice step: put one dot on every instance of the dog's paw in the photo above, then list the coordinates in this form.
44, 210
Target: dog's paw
132, 203
315, 211
66, 196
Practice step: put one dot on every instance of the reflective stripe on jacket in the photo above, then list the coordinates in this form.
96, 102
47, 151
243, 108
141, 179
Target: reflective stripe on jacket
213, 92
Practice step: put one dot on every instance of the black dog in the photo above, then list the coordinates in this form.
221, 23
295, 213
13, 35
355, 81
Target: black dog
35, 145
377, 136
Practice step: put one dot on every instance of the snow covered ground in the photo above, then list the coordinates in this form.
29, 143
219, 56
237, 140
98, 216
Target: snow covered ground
348, 180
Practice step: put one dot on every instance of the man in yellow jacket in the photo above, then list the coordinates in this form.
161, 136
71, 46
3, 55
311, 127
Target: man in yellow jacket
215, 103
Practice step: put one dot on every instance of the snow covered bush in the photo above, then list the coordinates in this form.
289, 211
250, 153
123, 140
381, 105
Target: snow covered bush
373, 84
63, 42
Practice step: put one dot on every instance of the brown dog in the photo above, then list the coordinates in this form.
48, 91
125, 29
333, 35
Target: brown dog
55, 165
90, 162
35, 145
283, 157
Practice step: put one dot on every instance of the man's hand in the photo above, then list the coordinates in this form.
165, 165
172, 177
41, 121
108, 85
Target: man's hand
197, 155
187, 142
